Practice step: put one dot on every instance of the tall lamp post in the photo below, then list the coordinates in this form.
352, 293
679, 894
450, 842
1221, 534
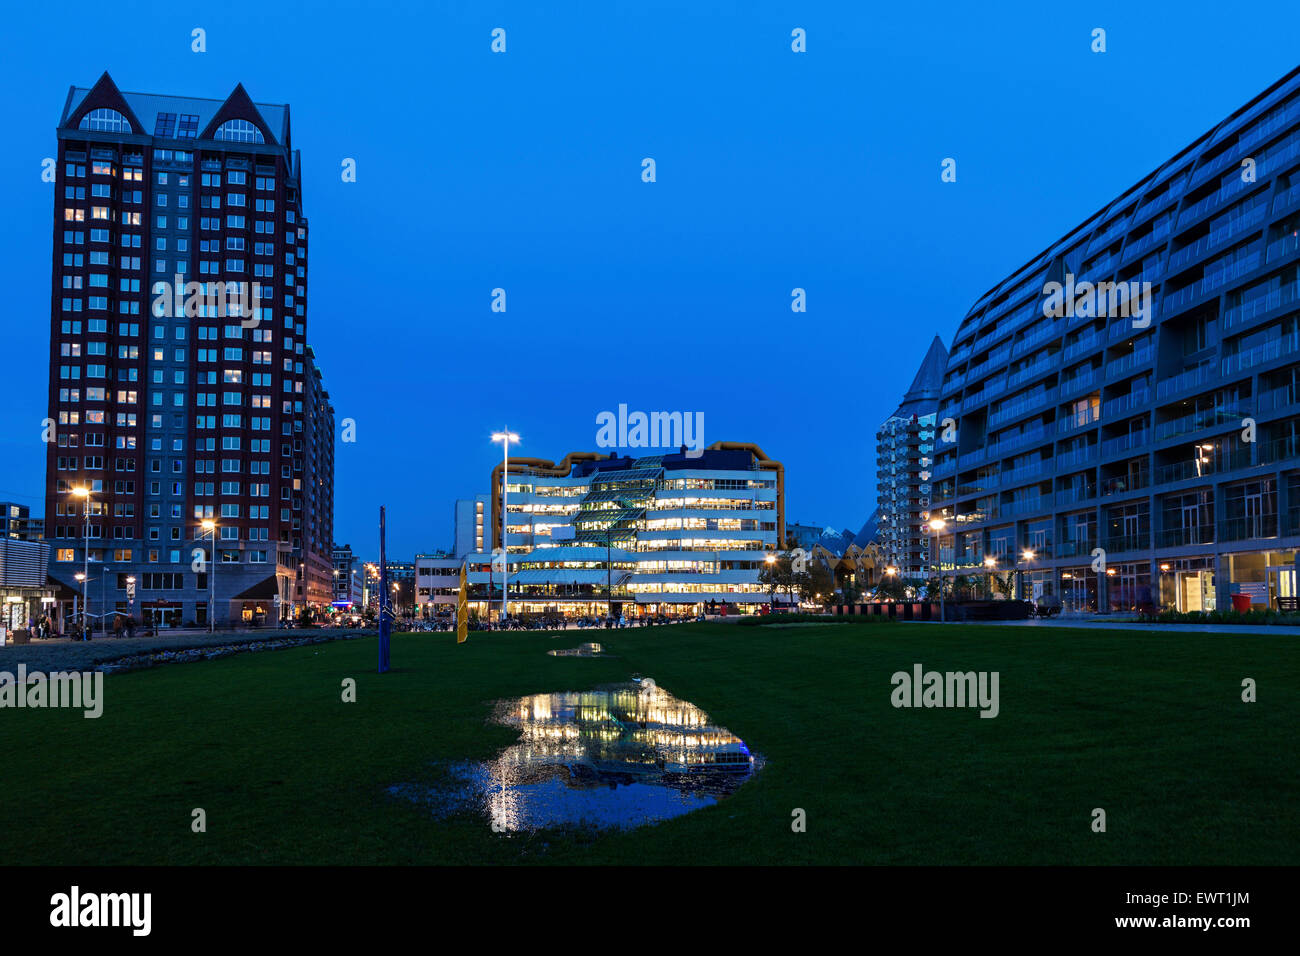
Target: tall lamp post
505, 436
103, 598
83, 492
936, 527
80, 576
770, 560
210, 527
990, 562
1027, 556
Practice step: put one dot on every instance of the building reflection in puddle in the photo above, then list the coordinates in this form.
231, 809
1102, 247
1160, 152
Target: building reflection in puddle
620, 756
582, 650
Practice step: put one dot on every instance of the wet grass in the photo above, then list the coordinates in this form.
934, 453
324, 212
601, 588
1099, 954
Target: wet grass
1149, 726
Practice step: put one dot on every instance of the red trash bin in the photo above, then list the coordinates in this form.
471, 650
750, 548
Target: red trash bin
1241, 602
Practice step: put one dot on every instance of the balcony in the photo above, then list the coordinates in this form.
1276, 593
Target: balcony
1285, 449
1252, 528
1126, 404
1134, 360
1076, 548
1119, 544
1111, 487
1199, 421
1184, 471
1073, 496
1281, 248
1113, 446
1181, 537
1191, 378
1077, 420
1149, 241
1026, 506
1273, 399
1260, 354
1260, 304
1078, 456
1089, 343
1286, 199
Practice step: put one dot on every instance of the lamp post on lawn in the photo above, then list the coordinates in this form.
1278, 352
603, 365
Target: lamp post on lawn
770, 560
81, 618
83, 492
210, 527
103, 598
506, 436
936, 527
1027, 556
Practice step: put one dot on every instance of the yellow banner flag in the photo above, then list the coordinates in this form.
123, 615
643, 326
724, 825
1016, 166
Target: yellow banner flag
462, 610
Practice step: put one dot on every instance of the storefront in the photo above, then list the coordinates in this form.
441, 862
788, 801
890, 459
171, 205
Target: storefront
161, 614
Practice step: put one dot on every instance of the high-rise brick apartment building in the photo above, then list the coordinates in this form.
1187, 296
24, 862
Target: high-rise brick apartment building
171, 407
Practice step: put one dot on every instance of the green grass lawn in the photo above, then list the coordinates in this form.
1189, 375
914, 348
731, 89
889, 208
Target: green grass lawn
1148, 725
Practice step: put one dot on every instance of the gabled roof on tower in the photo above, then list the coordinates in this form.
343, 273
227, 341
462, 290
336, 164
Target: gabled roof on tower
142, 109
923, 395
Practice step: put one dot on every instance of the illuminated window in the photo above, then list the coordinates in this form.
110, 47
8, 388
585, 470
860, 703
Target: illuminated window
106, 121
238, 131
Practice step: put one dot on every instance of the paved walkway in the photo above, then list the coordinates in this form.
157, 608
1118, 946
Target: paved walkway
1097, 623
62, 653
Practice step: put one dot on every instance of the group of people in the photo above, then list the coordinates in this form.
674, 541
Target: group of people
43, 627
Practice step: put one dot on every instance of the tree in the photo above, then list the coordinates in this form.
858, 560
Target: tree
891, 588
816, 580
851, 591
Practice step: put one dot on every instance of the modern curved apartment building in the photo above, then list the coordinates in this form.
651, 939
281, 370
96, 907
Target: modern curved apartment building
1142, 449
661, 533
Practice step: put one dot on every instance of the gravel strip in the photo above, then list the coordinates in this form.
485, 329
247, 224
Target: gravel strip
62, 654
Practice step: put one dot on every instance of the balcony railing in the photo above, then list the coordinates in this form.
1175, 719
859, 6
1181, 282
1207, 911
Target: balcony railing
1260, 304
1117, 544
1184, 380
1286, 345
1124, 485
1076, 548
1124, 404
1113, 446
1248, 529
1072, 496
1179, 537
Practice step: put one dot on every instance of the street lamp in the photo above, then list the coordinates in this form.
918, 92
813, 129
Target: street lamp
210, 527
505, 437
82, 578
770, 560
990, 562
103, 597
82, 491
1027, 556
936, 527
130, 603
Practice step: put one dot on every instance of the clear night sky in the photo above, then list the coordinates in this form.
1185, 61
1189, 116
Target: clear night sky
775, 170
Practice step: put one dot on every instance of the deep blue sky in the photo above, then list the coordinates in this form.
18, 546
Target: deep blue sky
522, 170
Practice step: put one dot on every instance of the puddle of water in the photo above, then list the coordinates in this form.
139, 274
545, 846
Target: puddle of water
582, 650
617, 757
